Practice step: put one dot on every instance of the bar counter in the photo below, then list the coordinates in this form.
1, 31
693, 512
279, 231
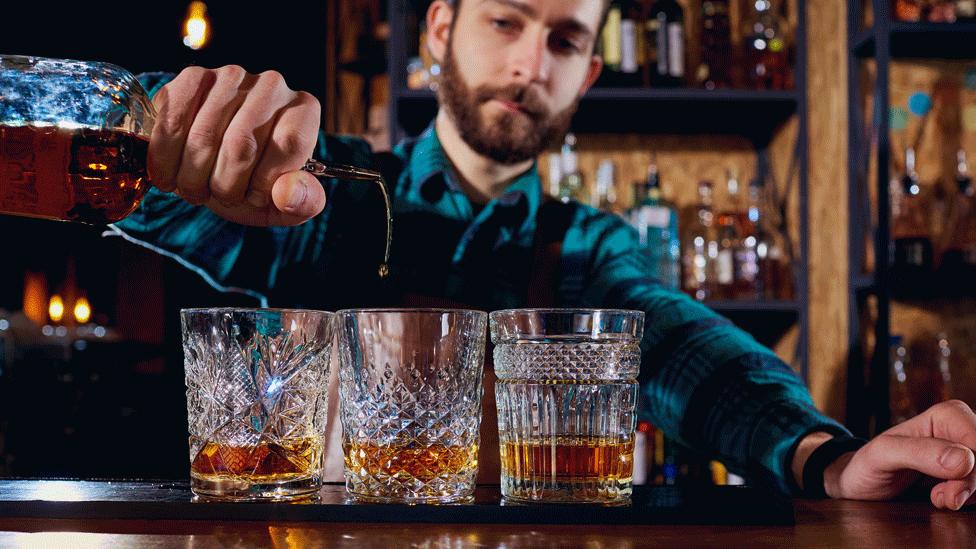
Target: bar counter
118, 514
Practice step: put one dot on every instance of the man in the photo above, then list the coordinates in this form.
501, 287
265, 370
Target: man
472, 227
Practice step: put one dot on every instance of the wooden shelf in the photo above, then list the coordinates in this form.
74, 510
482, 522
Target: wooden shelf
923, 40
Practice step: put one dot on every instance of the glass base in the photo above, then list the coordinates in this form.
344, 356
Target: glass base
420, 500
515, 500
214, 488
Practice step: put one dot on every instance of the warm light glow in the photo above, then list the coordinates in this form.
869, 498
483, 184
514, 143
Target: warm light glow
55, 308
35, 297
196, 28
82, 310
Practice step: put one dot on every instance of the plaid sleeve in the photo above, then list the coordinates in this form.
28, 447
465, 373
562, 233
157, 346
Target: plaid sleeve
229, 256
707, 383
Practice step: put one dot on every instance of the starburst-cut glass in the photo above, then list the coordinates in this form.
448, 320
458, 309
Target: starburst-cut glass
410, 384
256, 387
566, 394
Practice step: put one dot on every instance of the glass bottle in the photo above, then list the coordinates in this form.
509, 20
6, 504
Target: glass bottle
729, 241
767, 60
748, 275
604, 192
899, 394
909, 11
911, 262
965, 10
957, 268
715, 70
944, 387
570, 179
656, 221
666, 29
700, 248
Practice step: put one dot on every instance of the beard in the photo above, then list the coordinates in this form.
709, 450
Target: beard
511, 137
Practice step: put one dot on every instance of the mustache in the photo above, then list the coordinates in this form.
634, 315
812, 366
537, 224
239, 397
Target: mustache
526, 97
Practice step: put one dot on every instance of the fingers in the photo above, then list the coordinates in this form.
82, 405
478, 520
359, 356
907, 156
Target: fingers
205, 137
931, 456
953, 494
245, 140
290, 145
176, 106
297, 197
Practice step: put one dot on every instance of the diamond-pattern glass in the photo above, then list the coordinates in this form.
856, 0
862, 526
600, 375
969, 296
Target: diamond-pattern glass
411, 387
256, 387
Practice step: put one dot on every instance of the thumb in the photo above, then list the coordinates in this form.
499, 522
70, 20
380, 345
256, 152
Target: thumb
298, 194
934, 457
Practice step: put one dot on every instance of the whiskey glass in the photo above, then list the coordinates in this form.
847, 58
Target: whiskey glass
566, 396
410, 383
256, 388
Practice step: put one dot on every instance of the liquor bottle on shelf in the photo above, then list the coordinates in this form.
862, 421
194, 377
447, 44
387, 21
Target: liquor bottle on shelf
729, 241
748, 281
554, 162
766, 51
665, 28
965, 10
944, 386
899, 394
715, 70
909, 11
941, 11
632, 57
570, 178
604, 192
911, 261
610, 47
700, 248
656, 221
957, 268
774, 265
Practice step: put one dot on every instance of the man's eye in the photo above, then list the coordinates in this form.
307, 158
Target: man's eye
566, 45
502, 24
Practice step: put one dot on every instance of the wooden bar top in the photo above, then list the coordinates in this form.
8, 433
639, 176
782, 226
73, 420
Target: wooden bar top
817, 524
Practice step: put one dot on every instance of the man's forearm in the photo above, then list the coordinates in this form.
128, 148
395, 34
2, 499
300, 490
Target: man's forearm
832, 473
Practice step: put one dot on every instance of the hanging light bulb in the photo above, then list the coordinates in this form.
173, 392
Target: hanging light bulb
82, 310
55, 308
196, 27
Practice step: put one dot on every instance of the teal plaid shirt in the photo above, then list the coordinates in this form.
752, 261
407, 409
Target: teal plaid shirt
707, 383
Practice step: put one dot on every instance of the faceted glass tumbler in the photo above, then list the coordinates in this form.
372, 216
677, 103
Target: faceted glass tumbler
410, 381
566, 396
256, 387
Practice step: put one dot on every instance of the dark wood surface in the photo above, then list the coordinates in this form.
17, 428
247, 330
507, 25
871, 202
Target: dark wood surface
818, 524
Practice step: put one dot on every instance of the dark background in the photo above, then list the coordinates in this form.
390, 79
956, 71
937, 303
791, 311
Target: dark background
118, 409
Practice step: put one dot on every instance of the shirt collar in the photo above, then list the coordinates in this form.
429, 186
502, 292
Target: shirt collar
428, 167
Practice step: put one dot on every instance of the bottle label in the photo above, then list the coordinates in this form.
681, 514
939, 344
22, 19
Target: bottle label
676, 50
628, 46
662, 44
725, 267
658, 217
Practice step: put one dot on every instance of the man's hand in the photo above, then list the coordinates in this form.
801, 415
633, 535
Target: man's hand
937, 444
235, 142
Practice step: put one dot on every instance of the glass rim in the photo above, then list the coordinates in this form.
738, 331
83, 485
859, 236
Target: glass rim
410, 310
567, 310
251, 310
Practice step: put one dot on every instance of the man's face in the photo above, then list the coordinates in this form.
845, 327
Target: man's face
514, 70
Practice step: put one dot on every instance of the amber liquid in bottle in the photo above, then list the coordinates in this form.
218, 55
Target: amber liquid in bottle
86, 175
265, 462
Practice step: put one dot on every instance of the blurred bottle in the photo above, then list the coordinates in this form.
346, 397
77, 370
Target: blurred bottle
555, 173
666, 28
700, 248
944, 387
957, 267
643, 453
766, 51
899, 394
570, 178
656, 221
729, 240
909, 11
772, 250
604, 191
715, 70
911, 261
965, 10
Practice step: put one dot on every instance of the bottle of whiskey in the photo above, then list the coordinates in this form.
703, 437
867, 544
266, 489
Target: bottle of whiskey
748, 276
631, 55
715, 70
570, 178
944, 386
767, 59
729, 241
899, 394
604, 192
666, 29
700, 248
911, 261
656, 221
957, 268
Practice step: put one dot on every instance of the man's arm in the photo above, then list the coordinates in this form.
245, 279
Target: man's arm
707, 383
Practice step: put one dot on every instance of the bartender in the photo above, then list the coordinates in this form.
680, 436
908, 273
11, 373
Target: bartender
473, 228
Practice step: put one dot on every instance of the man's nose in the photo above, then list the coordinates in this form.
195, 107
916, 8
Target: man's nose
531, 61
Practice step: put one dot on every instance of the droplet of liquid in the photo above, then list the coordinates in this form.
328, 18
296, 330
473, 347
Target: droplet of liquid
384, 270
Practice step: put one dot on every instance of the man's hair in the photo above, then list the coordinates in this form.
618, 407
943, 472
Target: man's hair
456, 5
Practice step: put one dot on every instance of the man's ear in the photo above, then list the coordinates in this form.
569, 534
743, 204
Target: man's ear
440, 16
592, 73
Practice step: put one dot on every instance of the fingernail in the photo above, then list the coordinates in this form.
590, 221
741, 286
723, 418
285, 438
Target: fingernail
952, 458
257, 199
297, 197
940, 499
962, 498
